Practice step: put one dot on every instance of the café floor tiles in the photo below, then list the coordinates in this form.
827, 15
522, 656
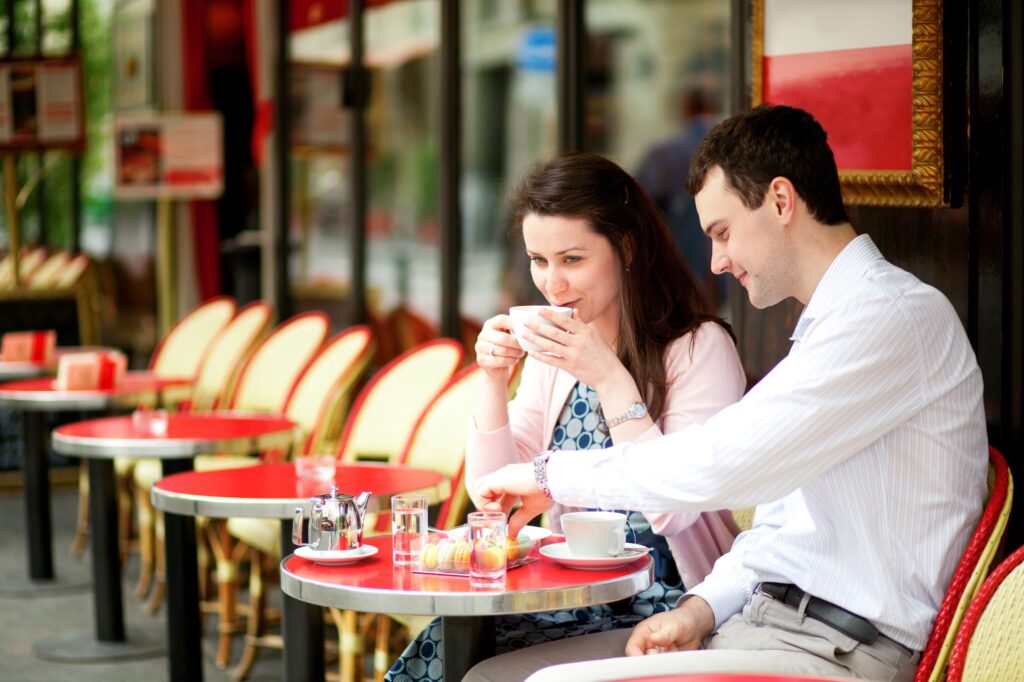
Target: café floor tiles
24, 620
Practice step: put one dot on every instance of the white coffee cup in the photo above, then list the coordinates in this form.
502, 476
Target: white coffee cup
595, 534
521, 314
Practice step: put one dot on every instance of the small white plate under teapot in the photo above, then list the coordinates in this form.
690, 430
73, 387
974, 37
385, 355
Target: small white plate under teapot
335, 557
559, 552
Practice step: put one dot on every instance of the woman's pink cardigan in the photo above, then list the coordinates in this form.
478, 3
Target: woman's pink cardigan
698, 387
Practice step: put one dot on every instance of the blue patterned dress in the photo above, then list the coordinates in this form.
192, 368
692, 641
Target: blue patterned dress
579, 427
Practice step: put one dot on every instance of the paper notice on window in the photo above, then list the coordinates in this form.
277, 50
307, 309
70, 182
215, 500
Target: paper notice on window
170, 155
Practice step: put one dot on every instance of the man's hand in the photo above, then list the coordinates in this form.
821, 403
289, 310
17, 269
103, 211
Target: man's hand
499, 490
680, 629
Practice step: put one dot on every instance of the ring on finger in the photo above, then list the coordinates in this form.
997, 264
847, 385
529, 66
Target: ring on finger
491, 351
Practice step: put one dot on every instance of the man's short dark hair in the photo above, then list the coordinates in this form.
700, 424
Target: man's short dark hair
767, 142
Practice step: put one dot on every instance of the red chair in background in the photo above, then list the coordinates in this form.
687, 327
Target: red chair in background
990, 645
970, 572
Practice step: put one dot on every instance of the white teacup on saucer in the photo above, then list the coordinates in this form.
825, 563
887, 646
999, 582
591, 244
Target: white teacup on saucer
595, 534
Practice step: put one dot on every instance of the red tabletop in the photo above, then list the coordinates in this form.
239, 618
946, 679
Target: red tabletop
273, 490
188, 435
376, 585
214, 426
40, 394
134, 382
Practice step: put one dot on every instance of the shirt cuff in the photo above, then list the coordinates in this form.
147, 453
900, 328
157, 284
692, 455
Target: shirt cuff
724, 599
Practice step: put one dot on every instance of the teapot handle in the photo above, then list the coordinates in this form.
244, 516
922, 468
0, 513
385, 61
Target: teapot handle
297, 528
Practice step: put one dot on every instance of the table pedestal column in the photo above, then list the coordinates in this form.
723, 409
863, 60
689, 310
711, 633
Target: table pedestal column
35, 468
303, 628
181, 567
467, 640
109, 642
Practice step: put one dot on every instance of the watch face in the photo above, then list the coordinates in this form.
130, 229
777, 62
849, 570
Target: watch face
638, 410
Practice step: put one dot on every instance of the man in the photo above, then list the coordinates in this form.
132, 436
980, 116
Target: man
665, 164
864, 449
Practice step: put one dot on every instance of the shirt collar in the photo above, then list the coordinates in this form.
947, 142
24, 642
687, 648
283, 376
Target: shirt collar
849, 264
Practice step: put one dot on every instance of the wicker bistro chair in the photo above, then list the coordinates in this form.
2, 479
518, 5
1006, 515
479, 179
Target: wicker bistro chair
989, 646
383, 420
47, 273
179, 354
319, 401
970, 572
438, 442
378, 428
216, 377
386, 410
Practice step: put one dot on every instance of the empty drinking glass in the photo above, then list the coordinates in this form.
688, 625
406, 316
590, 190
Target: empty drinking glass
408, 528
487, 565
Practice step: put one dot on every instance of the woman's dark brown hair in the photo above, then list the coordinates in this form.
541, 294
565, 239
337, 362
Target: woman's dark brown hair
661, 298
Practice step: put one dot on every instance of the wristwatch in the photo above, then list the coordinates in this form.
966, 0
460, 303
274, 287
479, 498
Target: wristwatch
634, 411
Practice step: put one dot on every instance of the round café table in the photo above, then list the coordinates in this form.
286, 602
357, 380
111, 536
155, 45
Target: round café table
17, 371
35, 398
102, 440
20, 370
270, 491
467, 613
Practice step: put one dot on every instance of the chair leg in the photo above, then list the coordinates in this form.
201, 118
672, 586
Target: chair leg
350, 645
256, 622
227, 561
125, 496
147, 542
81, 539
156, 595
382, 648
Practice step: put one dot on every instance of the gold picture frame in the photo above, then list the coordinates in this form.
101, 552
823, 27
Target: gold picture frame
923, 185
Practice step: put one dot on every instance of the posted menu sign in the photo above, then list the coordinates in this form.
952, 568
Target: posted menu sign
41, 105
169, 155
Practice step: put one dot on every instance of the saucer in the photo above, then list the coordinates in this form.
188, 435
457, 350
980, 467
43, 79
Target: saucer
559, 552
335, 557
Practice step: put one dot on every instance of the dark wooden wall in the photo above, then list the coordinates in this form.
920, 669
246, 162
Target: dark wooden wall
971, 251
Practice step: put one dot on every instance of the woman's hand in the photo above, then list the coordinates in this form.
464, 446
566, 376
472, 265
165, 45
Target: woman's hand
574, 347
496, 348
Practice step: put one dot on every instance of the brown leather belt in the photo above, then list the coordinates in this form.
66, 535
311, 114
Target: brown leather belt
850, 624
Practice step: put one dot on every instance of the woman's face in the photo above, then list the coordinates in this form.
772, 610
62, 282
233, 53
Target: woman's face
576, 267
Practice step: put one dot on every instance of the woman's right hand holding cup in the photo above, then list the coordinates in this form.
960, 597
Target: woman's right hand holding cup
496, 349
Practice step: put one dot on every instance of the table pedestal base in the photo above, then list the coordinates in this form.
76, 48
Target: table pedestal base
27, 588
85, 648
467, 641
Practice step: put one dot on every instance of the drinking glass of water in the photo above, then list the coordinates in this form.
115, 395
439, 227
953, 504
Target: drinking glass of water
408, 528
487, 554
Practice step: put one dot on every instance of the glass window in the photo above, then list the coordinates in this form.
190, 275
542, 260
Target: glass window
673, 58
509, 121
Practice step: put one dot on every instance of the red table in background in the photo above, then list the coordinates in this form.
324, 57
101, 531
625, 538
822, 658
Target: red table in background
102, 440
33, 399
265, 491
375, 585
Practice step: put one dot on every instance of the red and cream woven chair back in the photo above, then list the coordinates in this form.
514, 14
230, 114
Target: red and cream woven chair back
184, 346
388, 407
970, 572
320, 399
270, 374
990, 643
228, 351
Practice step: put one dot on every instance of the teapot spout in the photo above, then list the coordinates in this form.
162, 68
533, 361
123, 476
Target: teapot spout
361, 500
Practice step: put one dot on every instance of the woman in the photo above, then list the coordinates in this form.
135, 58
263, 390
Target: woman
640, 356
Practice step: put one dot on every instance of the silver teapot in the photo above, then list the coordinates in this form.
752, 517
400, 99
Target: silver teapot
335, 521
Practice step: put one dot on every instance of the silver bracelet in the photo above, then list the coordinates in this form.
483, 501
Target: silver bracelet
540, 472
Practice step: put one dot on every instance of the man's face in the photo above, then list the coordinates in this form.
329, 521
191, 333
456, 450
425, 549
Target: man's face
749, 244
